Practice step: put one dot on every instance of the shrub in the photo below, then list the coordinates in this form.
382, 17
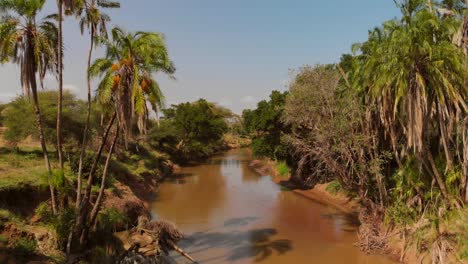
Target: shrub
25, 247
333, 187
110, 219
3, 239
282, 168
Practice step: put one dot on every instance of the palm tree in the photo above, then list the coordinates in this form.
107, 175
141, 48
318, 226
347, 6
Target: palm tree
68, 5
93, 19
30, 45
416, 78
127, 79
127, 85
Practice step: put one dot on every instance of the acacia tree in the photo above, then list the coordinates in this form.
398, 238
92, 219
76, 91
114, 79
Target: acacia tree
31, 45
416, 78
127, 85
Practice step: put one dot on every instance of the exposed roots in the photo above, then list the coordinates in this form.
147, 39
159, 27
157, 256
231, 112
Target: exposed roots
440, 250
371, 239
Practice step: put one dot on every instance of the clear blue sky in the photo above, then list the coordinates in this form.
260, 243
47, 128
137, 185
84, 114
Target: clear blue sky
233, 52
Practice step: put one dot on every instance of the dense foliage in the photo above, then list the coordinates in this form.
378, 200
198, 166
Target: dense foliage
18, 117
265, 126
388, 123
190, 130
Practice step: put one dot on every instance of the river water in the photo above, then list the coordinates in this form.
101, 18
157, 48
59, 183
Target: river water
231, 214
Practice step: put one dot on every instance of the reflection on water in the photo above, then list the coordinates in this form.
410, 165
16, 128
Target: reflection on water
232, 215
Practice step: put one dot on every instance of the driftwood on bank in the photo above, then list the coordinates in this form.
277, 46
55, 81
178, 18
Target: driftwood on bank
149, 240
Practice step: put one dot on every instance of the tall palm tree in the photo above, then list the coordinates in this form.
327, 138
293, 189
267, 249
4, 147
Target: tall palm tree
61, 5
416, 78
127, 75
93, 19
32, 46
127, 84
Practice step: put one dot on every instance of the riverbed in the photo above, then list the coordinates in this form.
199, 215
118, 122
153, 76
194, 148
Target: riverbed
231, 214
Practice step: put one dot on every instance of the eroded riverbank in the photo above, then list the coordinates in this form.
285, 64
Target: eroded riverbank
233, 215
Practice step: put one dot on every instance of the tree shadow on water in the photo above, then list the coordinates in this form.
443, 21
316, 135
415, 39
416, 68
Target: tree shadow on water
242, 221
258, 244
178, 178
348, 222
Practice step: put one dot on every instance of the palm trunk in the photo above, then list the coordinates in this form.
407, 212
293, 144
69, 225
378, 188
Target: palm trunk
84, 141
82, 215
464, 185
85, 132
445, 139
45, 153
99, 199
60, 79
438, 177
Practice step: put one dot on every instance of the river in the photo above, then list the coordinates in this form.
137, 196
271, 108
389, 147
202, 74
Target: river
231, 214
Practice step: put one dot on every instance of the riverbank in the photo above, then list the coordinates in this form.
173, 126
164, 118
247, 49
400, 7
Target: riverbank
319, 193
328, 194
26, 233
402, 243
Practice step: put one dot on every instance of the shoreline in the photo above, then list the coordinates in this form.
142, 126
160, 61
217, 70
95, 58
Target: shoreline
339, 201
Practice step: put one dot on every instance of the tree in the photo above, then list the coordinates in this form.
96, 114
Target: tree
93, 19
61, 4
266, 126
126, 72
416, 78
31, 45
328, 138
19, 119
191, 131
126, 86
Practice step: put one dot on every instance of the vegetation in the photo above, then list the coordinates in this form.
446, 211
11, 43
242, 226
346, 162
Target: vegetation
19, 118
388, 123
266, 128
190, 131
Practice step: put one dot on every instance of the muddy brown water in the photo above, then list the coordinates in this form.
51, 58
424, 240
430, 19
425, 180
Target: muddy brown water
231, 214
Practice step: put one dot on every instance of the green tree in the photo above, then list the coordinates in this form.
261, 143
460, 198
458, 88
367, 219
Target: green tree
95, 21
266, 127
126, 72
32, 46
416, 78
126, 86
19, 118
191, 131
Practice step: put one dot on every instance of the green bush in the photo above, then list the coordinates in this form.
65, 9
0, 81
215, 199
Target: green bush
282, 168
61, 222
44, 212
111, 218
88, 162
334, 187
3, 239
25, 247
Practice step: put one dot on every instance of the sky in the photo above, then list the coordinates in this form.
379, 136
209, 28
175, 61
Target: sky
232, 52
